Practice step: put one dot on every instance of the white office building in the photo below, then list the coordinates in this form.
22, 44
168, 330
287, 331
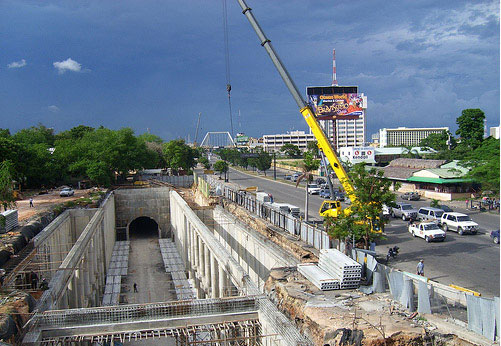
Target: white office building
349, 133
273, 143
494, 132
404, 136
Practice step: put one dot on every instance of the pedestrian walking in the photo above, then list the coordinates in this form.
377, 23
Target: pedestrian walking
135, 287
31, 203
467, 204
420, 268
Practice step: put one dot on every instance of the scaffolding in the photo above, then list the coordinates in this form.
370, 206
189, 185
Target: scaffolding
244, 332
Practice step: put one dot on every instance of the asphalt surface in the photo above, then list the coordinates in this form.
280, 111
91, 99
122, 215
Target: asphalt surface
470, 261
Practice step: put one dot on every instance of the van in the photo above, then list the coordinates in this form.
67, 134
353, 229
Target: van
430, 214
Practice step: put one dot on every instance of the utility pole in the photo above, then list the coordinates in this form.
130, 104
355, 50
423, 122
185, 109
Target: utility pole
274, 166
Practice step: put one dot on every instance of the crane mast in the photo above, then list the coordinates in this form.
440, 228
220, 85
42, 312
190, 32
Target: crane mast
305, 109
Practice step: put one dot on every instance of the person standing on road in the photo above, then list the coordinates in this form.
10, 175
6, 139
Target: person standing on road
31, 202
420, 268
135, 287
466, 204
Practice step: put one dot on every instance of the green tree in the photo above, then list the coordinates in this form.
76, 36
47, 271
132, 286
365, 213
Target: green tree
204, 161
263, 162
151, 138
7, 199
343, 228
290, 150
312, 147
221, 167
372, 190
484, 164
179, 155
471, 127
35, 135
439, 141
410, 152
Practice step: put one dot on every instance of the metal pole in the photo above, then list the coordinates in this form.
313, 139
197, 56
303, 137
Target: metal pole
274, 166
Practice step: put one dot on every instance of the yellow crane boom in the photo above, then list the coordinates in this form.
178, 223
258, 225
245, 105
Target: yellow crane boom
305, 109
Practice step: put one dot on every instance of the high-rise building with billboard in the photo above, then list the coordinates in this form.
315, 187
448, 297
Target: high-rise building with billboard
341, 111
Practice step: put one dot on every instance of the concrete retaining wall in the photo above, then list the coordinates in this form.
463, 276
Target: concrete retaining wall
256, 254
79, 280
150, 202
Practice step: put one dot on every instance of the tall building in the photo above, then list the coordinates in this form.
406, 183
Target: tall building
274, 143
494, 132
343, 127
340, 111
404, 136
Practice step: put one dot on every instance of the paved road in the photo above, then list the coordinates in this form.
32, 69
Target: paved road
471, 261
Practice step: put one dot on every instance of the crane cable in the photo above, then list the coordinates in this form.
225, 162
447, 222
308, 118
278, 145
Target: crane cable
227, 62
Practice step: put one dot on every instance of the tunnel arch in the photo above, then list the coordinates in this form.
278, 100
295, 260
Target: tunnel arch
144, 227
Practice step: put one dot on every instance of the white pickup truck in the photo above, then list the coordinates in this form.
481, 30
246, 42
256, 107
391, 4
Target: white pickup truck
429, 231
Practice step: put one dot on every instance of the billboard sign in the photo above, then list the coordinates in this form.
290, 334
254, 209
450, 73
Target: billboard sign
337, 106
361, 154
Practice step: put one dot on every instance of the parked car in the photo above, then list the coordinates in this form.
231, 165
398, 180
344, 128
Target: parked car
338, 196
405, 211
66, 192
458, 222
446, 208
495, 237
430, 214
313, 189
295, 176
288, 177
320, 181
325, 193
411, 196
429, 231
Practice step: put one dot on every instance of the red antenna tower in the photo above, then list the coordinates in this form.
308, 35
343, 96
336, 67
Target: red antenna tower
334, 77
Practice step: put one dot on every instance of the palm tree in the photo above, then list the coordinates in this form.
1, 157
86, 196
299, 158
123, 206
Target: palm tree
307, 166
411, 152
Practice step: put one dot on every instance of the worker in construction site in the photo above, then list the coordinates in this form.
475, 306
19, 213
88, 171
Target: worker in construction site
420, 268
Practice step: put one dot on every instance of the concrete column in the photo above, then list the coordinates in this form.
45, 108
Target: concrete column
86, 281
197, 257
191, 249
207, 268
222, 281
201, 259
214, 274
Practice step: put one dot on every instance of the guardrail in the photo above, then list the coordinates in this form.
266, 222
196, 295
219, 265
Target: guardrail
310, 234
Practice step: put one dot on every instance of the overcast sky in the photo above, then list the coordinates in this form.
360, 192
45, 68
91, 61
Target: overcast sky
156, 64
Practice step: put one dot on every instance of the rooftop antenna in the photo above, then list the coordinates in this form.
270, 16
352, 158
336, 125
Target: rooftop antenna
334, 76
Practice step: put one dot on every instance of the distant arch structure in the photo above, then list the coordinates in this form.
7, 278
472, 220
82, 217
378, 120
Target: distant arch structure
217, 140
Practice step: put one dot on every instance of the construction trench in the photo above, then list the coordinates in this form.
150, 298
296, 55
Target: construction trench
204, 274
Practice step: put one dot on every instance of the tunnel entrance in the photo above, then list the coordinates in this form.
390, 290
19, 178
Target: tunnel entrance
143, 227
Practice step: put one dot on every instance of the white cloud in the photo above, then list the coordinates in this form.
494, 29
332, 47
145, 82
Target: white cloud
53, 109
67, 65
17, 64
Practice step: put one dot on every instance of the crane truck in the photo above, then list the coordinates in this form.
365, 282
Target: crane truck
329, 207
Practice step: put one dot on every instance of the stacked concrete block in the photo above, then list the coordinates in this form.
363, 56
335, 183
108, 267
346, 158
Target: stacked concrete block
334, 271
342, 267
318, 277
185, 289
11, 220
117, 268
